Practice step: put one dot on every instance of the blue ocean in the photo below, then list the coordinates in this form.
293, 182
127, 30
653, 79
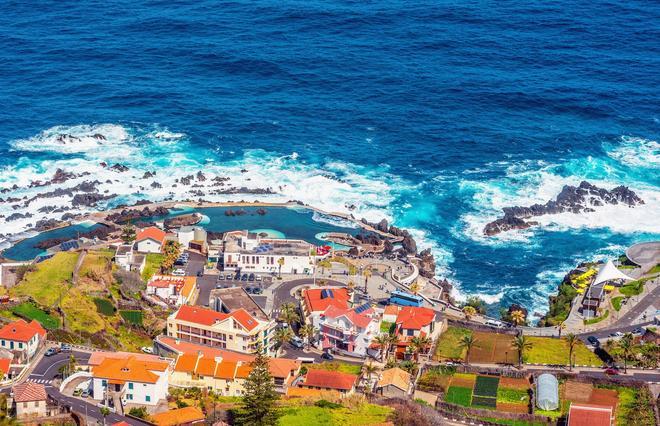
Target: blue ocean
432, 114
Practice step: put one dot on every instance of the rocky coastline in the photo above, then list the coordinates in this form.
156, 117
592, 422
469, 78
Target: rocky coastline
580, 199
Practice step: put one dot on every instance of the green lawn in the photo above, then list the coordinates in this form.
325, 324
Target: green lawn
458, 395
366, 414
597, 319
632, 289
655, 269
152, 265
616, 303
449, 343
546, 350
32, 312
49, 281
512, 395
386, 327
343, 367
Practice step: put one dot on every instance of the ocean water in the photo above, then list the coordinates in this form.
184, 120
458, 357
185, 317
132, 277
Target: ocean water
434, 115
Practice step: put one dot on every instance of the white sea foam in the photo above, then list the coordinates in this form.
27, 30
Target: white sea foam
76, 139
637, 152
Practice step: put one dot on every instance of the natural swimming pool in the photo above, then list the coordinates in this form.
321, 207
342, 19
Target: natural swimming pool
25, 249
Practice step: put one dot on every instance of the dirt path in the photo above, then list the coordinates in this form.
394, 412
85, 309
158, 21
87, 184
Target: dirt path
81, 258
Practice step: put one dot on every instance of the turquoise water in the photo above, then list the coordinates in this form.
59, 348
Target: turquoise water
25, 249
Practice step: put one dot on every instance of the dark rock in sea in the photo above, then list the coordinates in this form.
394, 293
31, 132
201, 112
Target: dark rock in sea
67, 216
156, 185
382, 225
45, 224
85, 186
119, 168
186, 179
243, 170
90, 200
200, 176
388, 247
580, 199
142, 202
183, 220
148, 175
242, 190
261, 212
409, 244
16, 216
61, 176
426, 263
127, 215
99, 136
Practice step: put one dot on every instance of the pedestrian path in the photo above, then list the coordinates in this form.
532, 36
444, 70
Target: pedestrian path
40, 381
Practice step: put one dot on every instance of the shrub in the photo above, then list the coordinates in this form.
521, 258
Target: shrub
140, 412
323, 403
616, 303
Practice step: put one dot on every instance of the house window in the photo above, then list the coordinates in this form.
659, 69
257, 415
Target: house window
20, 345
104, 383
147, 398
36, 404
3, 343
130, 386
129, 396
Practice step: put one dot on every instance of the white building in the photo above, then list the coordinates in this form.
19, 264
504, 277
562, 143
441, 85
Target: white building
176, 291
130, 260
150, 240
187, 234
132, 378
248, 252
29, 400
23, 339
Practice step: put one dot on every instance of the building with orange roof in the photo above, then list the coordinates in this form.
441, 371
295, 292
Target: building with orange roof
23, 339
394, 383
29, 399
237, 330
134, 378
150, 240
413, 321
343, 383
179, 417
590, 415
199, 368
173, 290
316, 300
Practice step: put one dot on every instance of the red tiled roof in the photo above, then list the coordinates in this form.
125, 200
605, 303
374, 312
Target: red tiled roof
330, 380
121, 424
318, 299
29, 391
21, 331
205, 316
183, 347
589, 415
4, 365
412, 317
359, 320
179, 416
151, 233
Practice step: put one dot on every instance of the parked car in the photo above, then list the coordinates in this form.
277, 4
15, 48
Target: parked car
257, 290
616, 334
178, 272
638, 331
244, 277
594, 341
221, 277
65, 348
251, 277
297, 342
611, 371
85, 393
258, 277
147, 349
51, 352
327, 356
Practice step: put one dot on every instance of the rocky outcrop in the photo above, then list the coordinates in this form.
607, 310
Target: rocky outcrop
581, 199
426, 263
90, 200
183, 220
127, 215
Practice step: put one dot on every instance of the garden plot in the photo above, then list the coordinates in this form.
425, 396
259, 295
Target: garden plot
485, 391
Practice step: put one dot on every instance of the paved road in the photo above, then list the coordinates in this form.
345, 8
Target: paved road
282, 294
47, 370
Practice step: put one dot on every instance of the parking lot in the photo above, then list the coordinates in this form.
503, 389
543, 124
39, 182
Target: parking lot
253, 287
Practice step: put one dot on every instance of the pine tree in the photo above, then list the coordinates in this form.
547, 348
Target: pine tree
258, 406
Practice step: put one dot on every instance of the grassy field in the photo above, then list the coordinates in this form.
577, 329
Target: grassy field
366, 414
598, 318
133, 317
448, 346
152, 266
632, 289
547, 350
104, 306
32, 312
342, 367
81, 313
492, 348
458, 395
51, 279
616, 303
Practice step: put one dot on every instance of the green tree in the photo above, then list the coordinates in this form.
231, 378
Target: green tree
469, 312
369, 370
282, 336
259, 396
128, 234
289, 314
517, 317
139, 412
572, 341
383, 340
478, 304
105, 411
467, 342
521, 344
419, 344
308, 332
626, 344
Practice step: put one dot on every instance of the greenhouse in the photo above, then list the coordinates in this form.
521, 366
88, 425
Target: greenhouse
547, 392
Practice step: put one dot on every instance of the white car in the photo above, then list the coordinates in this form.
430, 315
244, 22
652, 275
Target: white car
178, 272
147, 349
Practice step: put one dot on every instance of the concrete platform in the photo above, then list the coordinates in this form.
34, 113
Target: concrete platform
644, 254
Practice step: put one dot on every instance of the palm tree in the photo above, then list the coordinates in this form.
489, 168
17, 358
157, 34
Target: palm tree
572, 341
393, 341
367, 274
282, 336
383, 340
467, 342
280, 263
289, 313
560, 327
369, 369
469, 312
105, 411
626, 344
419, 344
308, 331
517, 317
521, 344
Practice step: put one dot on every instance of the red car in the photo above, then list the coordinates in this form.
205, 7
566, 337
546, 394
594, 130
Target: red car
611, 371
